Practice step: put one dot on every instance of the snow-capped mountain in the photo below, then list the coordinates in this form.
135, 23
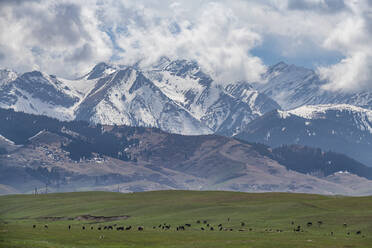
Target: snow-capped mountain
225, 109
176, 96
38, 93
342, 128
292, 86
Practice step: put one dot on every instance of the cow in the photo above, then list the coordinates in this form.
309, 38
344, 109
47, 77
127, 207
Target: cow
33, 226
99, 228
309, 224
242, 224
212, 229
359, 232
128, 228
83, 227
110, 228
188, 225
140, 228
205, 222
198, 221
69, 227
46, 226
91, 228
120, 228
202, 228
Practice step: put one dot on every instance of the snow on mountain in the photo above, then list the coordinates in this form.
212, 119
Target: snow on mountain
127, 97
292, 86
359, 117
176, 96
38, 93
342, 128
224, 109
7, 76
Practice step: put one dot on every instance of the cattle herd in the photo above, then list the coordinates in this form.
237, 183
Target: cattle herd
202, 225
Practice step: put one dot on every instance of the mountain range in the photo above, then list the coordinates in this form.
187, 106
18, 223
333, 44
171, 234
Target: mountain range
51, 155
124, 126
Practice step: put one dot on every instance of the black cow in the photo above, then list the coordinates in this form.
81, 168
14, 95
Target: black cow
202, 228
140, 228
33, 226
69, 227
46, 226
309, 224
205, 222
91, 228
83, 227
99, 228
128, 228
359, 232
188, 225
120, 228
212, 229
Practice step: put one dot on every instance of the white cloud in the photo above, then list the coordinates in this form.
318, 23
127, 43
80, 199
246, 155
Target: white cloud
68, 37
353, 37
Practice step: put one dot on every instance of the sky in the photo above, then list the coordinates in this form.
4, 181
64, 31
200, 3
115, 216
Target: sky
231, 39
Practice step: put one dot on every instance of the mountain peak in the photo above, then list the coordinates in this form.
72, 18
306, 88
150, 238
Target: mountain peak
98, 70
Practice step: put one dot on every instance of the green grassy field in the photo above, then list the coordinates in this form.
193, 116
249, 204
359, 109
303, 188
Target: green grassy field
264, 214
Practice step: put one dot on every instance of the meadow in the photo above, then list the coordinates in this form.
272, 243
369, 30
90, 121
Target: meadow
238, 220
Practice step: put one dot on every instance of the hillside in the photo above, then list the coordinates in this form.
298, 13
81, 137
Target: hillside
267, 220
56, 156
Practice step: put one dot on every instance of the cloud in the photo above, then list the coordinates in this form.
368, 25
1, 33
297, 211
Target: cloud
353, 37
232, 40
330, 6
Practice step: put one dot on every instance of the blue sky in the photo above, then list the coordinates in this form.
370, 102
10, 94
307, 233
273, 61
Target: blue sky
231, 40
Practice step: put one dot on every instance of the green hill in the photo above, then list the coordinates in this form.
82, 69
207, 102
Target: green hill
267, 220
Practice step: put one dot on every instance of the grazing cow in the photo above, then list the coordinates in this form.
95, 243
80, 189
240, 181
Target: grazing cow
159, 226
154, 227
202, 228
83, 227
208, 225
212, 229
242, 224
188, 225
33, 226
168, 227
91, 228
99, 228
359, 232
46, 226
219, 225
205, 222
69, 227
231, 229
309, 224
110, 228
128, 228
298, 229
348, 233
105, 228
120, 228
140, 228
220, 228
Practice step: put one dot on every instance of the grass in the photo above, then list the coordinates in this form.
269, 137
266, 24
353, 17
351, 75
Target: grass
265, 213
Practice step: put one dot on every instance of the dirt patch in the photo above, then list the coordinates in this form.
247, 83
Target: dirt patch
87, 217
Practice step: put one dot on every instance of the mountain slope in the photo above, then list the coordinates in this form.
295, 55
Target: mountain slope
70, 156
176, 96
341, 128
292, 86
